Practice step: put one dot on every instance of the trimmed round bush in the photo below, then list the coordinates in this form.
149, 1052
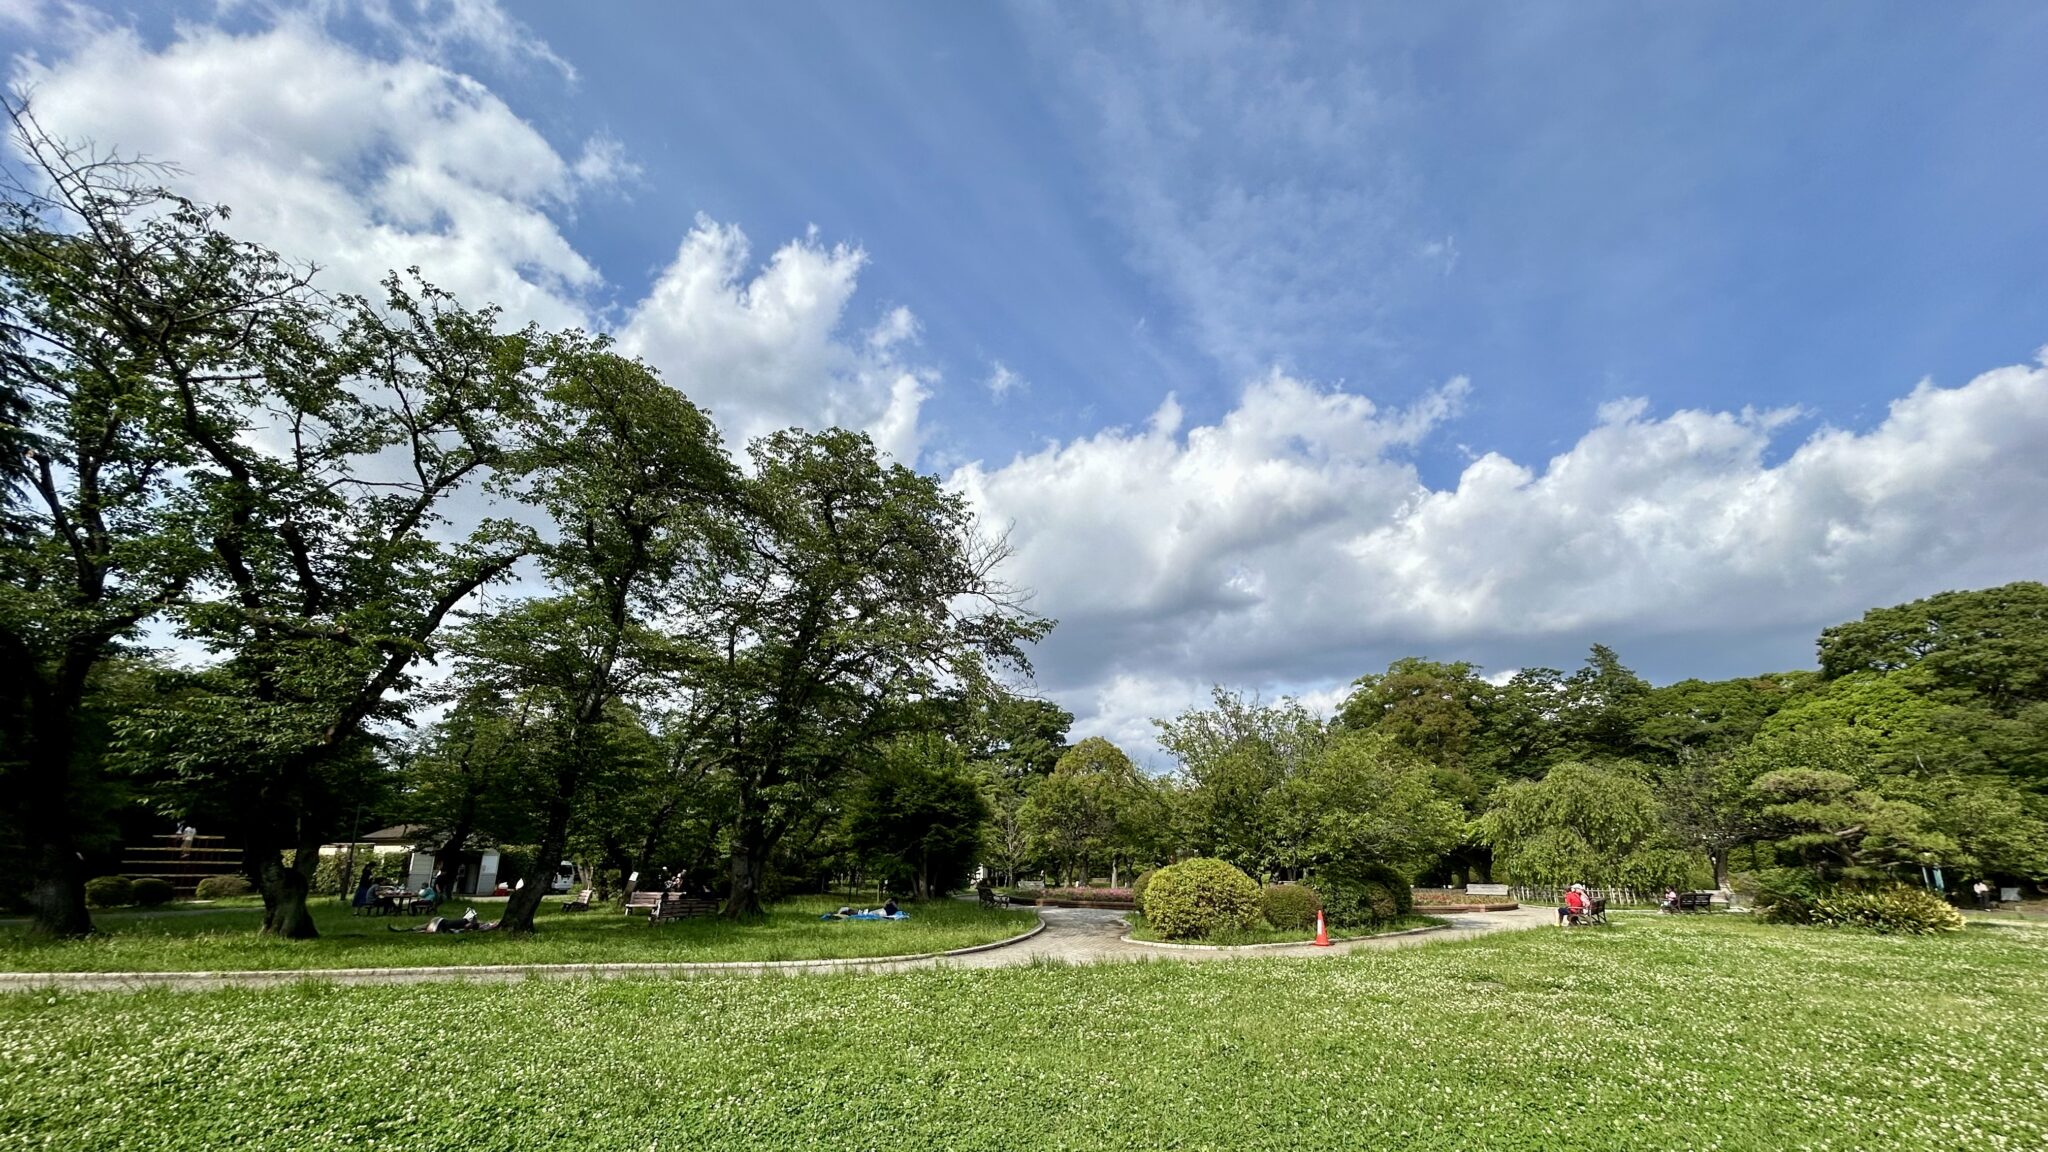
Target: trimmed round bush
224, 887
109, 891
1194, 898
1361, 895
150, 891
1138, 885
1290, 907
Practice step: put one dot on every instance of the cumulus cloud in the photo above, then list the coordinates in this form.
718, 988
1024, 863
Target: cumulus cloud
325, 152
369, 158
1291, 545
762, 348
1002, 381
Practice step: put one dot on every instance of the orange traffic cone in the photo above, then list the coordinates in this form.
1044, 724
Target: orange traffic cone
1322, 931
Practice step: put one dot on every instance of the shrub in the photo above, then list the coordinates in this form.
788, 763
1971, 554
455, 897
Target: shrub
1360, 895
223, 887
1194, 898
1786, 895
1290, 907
151, 891
1906, 911
109, 891
1139, 884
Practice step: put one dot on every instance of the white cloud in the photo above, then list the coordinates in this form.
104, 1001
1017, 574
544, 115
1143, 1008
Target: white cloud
1289, 546
761, 346
370, 163
323, 152
1002, 381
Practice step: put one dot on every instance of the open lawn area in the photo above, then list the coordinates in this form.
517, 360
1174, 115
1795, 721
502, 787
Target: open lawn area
1657, 1033
227, 940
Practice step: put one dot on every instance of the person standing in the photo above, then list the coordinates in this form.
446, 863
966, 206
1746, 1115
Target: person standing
1983, 892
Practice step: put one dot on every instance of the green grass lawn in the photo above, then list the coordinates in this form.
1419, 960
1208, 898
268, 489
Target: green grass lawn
1652, 1034
212, 941
1143, 931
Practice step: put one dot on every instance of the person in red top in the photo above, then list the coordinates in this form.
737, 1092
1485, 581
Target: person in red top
1574, 905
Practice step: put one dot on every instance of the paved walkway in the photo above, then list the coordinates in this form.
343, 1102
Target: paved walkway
1068, 935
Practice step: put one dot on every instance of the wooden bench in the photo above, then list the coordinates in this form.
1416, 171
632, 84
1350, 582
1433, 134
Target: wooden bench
660, 906
990, 898
1695, 901
579, 903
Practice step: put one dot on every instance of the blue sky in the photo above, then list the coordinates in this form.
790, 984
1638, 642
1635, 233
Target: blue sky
1490, 331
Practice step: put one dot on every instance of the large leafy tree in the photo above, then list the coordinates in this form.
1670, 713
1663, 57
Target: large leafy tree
849, 590
114, 294
1097, 807
328, 473
1366, 798
915, 816
1989, 645
635, 482
1234, 759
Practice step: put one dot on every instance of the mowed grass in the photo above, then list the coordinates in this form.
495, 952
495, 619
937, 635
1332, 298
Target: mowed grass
227, 940
1658, 1033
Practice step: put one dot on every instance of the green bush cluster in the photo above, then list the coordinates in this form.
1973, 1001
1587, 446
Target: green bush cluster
223, 887
1361, 895
151, 892
1904, 911
1194, 898
109, 891
1139, 884
1290, 907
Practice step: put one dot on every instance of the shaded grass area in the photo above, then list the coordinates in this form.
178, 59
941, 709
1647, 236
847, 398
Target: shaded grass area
226, 940
1654, 1034
1140, 930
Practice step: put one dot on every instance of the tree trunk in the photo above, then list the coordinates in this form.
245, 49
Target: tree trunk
48, 801
554, 840
57, 893
1720, 861
284, 895
750, 848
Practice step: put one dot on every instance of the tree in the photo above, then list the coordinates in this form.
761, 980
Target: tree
1989, 645
1603, 702
847, 589
915, 818
1429, 708
634, 479
1578, 824
1096, 807
1366, 799
110, 290
1234, 758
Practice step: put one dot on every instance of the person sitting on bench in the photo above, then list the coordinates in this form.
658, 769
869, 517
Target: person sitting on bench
1574, 905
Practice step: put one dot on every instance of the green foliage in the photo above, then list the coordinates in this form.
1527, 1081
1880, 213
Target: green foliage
1195, 897
1235, 757
1363, 798
1906, 911
1289, 907
1139, 883
150, 892
223, 887
1095, 808
915, 818
109, 891
1577, 824
1989, 645
1428, 708
1358, 895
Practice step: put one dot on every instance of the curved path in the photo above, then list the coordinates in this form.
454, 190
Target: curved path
1067, 935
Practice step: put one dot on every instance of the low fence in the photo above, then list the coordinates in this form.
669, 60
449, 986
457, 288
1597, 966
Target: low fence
1615, 897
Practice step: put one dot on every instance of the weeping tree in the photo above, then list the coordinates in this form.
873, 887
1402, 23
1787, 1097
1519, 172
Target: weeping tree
847, 589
